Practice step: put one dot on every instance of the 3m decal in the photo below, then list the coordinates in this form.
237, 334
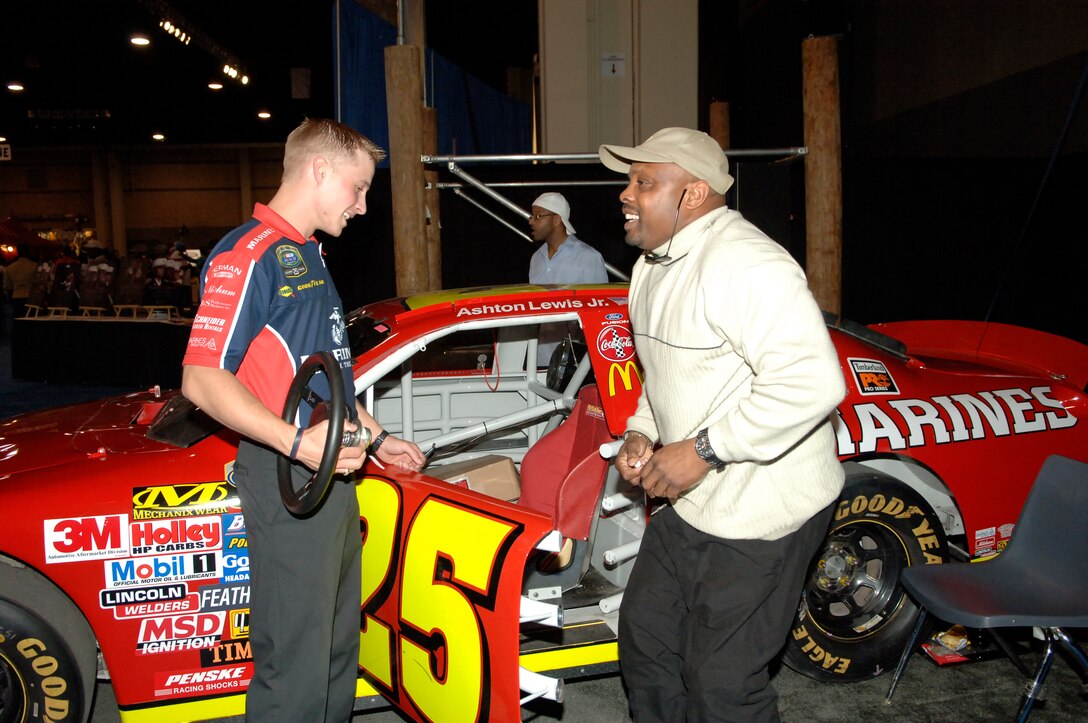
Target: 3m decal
73, 539
872, 377
902, 423
183, 500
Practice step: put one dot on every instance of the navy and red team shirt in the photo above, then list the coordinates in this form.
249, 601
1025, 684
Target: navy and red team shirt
266, 303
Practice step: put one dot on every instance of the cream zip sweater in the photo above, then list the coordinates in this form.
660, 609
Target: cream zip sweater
730, 338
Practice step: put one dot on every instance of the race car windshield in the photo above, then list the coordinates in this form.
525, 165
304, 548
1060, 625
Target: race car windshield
365, 333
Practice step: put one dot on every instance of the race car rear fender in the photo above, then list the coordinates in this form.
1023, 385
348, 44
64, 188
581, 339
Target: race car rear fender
921, 479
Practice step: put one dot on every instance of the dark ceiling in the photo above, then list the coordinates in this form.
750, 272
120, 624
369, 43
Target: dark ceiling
85, 83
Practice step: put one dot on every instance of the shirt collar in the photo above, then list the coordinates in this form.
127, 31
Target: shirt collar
267, 216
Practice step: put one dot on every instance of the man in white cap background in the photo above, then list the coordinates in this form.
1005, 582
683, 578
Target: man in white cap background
732, 432
563, 258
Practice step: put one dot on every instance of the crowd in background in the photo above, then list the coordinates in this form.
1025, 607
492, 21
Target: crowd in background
89, 277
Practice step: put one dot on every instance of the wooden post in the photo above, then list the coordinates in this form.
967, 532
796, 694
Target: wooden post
430, 195
823, 170
404, 96
719, 123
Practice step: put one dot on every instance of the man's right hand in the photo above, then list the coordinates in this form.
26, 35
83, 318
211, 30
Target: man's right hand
312, 447
634, 453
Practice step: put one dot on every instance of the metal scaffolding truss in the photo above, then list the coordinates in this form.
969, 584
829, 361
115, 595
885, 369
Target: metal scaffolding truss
454, 164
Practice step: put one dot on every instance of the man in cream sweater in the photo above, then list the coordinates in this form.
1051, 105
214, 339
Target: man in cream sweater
732, 430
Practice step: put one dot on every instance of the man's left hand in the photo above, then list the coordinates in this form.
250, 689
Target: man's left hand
401, 453
673, 469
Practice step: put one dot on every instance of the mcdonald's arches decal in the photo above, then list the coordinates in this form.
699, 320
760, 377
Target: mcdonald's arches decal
615, 364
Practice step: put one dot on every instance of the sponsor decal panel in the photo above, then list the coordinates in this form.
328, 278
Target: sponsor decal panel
897, 424
223, 597
872, 377
184, 683
183, 500
180, 632
176, 535
74, 539
160, 569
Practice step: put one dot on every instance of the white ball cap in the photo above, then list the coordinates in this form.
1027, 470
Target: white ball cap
558, 205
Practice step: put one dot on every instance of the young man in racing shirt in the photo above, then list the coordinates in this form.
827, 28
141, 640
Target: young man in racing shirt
267, 303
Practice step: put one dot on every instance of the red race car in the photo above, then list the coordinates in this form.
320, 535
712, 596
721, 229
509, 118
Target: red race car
501, 567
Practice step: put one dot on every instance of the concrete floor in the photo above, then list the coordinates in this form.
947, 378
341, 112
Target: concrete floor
980, 692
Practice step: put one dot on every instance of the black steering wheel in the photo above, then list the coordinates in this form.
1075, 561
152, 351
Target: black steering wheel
306, 498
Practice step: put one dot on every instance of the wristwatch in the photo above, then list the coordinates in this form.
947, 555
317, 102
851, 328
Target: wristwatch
705, 451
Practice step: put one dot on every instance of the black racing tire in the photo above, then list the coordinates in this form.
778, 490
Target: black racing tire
48, 657
854, 616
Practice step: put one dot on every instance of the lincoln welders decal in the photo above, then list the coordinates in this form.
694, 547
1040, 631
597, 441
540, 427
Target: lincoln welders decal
872, 377
901, 423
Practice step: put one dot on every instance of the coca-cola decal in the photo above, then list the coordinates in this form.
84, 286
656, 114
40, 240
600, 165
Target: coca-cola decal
615, 343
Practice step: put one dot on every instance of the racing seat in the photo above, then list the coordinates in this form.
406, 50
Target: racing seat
563, 475
1040, 580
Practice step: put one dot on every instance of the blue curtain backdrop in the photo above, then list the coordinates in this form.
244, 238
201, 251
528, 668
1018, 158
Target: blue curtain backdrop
473, 117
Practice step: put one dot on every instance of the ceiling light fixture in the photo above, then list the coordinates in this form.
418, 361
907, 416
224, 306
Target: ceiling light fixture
139, 40
3, 139
215, 85
172, 29
16, 87
263, 114
158, 137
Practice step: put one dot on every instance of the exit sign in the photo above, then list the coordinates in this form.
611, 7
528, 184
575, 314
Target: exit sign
5, 152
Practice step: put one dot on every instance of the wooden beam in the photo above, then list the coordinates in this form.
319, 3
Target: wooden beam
404, 96
823, 170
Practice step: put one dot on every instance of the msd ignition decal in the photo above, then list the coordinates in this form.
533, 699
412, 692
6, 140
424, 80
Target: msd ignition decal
183, 500
902, 423
872, 377
176, 535
291, 261
74, 539
180, 632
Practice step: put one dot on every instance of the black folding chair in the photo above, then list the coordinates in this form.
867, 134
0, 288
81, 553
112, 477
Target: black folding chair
1040, 580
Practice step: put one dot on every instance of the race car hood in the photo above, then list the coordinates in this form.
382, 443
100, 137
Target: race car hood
54, 437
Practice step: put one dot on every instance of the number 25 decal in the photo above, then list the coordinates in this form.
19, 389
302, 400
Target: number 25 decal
448, 572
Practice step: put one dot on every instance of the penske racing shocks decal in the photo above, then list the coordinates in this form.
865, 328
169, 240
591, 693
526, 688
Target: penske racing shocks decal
896, 424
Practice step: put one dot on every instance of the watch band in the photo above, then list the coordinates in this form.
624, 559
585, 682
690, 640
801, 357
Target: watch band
373, 448
705, 451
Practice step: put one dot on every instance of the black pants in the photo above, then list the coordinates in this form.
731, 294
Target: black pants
305, 595
703, 616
